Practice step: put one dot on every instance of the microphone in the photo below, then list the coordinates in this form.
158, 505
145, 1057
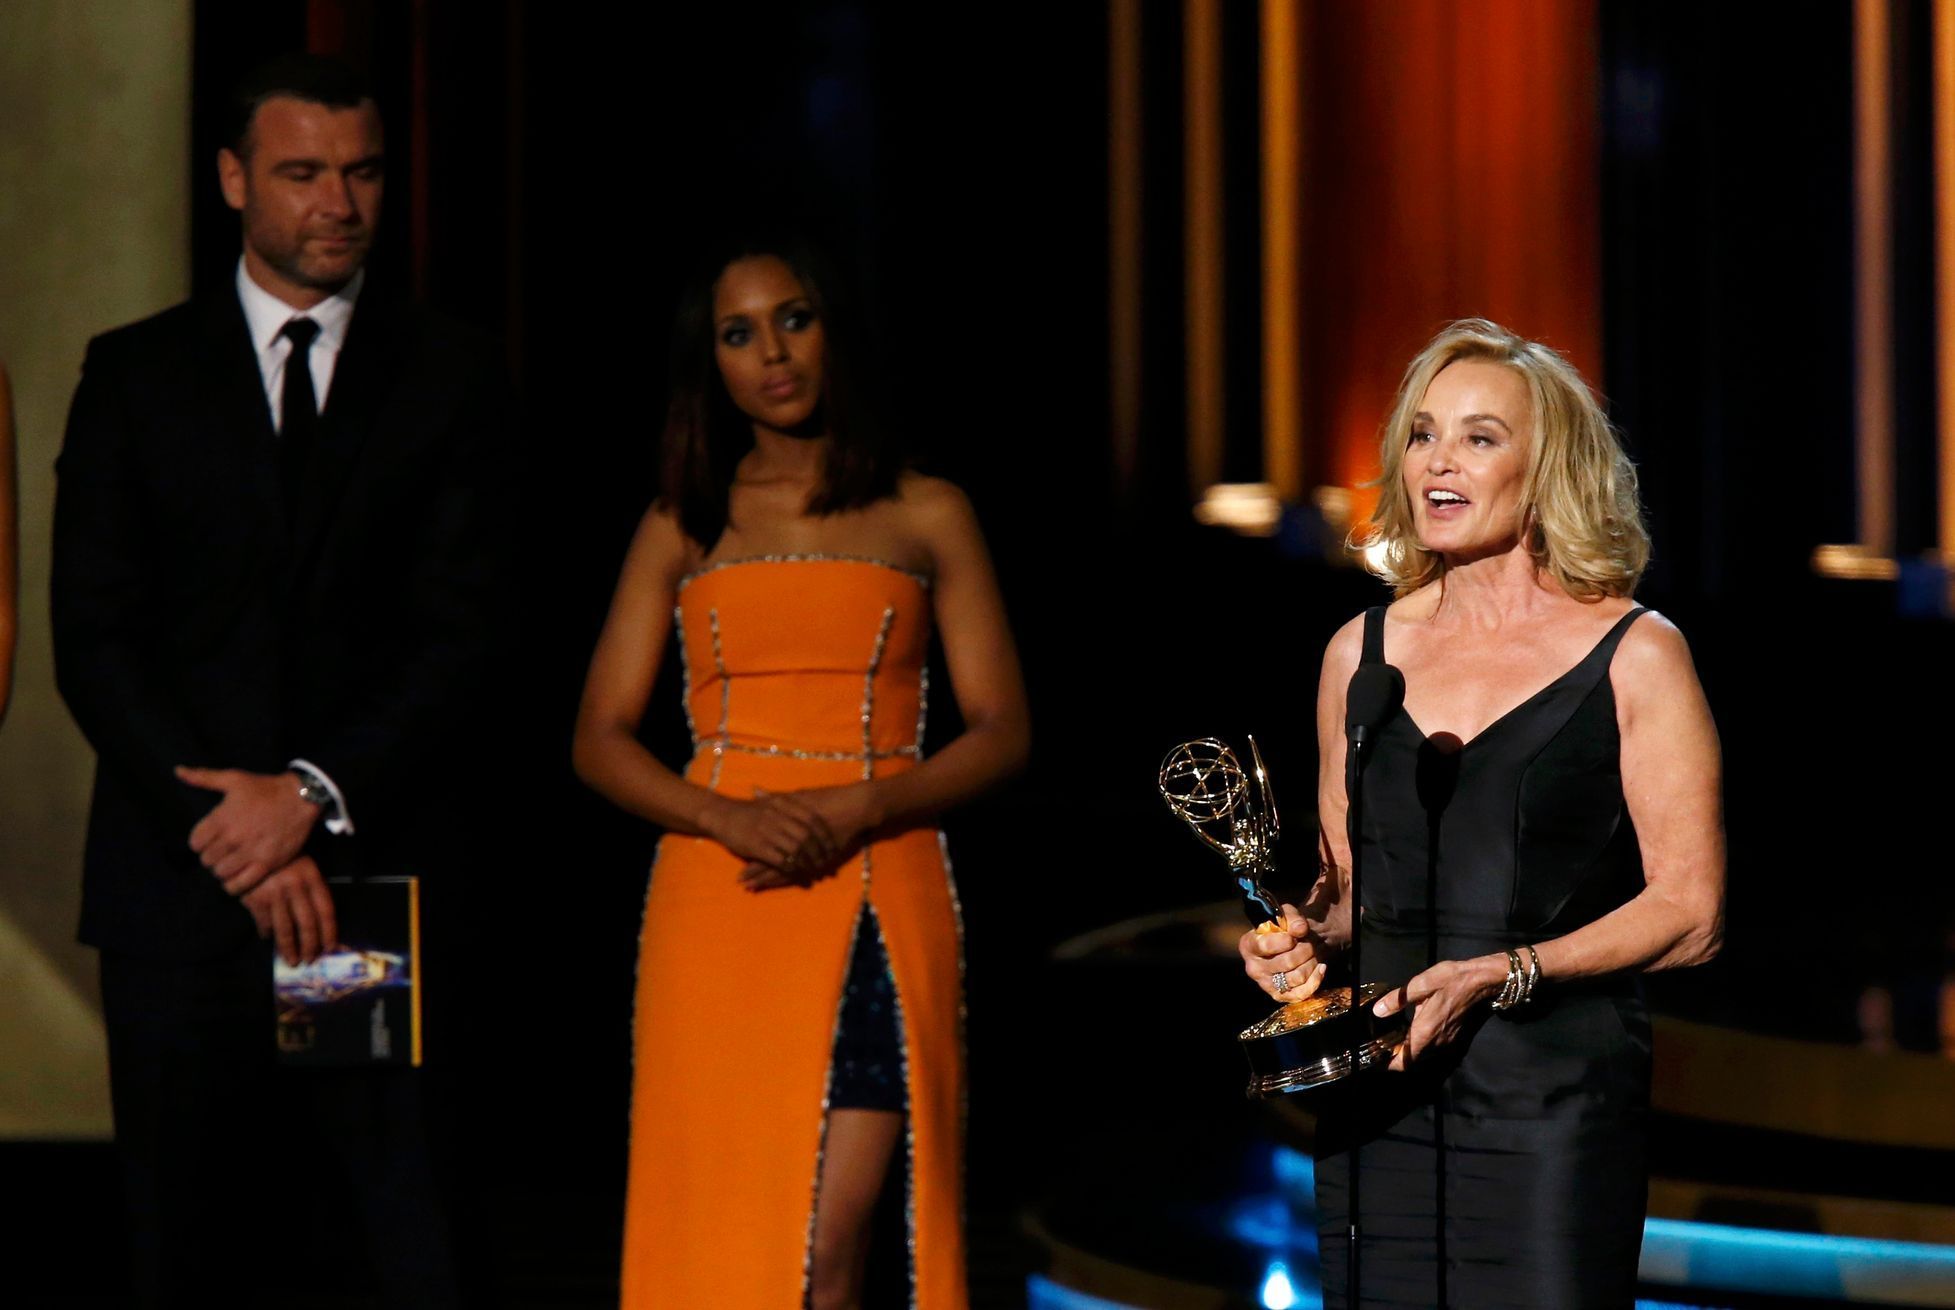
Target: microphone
1375, 693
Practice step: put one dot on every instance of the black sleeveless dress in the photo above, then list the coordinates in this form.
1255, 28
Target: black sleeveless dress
1507, 1169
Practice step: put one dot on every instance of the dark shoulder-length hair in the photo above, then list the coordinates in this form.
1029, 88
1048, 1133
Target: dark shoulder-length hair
706, 434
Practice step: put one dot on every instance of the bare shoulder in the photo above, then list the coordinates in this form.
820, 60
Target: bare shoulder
928, 501
1653, 647
938, 515
1346, 648
1653, 668
1341, 658
661, 547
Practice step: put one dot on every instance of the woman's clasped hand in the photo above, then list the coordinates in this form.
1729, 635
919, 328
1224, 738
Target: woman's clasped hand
791, 839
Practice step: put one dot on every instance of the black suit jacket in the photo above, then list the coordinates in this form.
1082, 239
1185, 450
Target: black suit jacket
200, 620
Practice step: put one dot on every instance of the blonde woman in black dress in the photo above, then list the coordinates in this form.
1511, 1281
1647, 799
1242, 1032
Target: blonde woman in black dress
1542, 825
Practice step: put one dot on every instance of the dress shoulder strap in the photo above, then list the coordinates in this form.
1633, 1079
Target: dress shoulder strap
1605, 650
1374, 636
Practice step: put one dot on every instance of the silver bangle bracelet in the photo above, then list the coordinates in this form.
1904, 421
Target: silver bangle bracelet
1510, 991
1522, 978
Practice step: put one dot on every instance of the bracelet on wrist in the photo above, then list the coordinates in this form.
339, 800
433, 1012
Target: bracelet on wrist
1522, 976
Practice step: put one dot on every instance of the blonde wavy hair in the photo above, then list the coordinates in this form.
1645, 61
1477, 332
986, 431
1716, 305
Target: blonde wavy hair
1584, 522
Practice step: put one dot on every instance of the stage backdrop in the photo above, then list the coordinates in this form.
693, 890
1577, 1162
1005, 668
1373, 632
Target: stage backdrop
95, 232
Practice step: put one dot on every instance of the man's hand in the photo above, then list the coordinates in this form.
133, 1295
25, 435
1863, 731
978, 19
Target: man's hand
295, 906
260, 825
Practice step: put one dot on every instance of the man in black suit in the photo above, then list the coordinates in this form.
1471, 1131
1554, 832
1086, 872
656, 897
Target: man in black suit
271, 591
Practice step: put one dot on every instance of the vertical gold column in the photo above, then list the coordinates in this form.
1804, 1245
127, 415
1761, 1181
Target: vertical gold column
1202, 256
1124, 183
96, 174
1944, 81
1282, 127
1873, 328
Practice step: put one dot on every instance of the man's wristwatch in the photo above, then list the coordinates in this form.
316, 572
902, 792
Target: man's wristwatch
313, 789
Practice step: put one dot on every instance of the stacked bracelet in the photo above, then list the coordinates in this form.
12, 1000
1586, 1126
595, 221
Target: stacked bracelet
1521, 977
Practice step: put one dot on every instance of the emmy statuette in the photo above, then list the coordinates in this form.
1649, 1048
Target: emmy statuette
1316, 1039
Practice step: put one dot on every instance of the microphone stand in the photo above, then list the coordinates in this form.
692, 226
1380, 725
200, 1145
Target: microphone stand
1354, 835
1376, 692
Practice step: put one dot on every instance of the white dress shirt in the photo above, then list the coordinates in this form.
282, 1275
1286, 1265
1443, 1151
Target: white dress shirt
265, 316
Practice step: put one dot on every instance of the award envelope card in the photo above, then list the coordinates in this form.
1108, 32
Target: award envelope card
362, 1003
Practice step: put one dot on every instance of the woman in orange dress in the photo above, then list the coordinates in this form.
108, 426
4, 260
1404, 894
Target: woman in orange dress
800, 992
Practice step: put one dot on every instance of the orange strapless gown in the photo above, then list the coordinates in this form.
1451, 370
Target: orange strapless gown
800, 672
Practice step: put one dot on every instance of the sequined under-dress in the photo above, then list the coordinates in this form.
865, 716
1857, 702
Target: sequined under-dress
800, 672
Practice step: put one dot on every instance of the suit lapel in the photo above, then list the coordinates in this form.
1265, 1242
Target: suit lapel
361, 379
243, 434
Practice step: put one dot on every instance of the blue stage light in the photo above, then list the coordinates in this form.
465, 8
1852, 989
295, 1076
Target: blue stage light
1043, 1294
1267, 1222
1680, 1253
1279, 1291
1677, 1254
1283, 1221
1294, 1172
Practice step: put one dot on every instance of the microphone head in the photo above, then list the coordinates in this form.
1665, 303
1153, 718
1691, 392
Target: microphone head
1375, 693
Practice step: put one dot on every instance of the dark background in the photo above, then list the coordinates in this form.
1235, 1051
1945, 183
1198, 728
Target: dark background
551, 171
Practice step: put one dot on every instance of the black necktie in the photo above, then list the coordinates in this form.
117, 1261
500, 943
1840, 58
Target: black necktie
299, 411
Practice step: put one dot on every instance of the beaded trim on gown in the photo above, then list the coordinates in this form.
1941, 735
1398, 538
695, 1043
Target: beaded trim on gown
800, 672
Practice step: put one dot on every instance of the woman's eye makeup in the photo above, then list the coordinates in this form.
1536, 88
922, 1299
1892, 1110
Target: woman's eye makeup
1481, 439
798, 319
736, 334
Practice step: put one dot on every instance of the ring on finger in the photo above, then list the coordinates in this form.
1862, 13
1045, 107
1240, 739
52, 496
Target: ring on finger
1280, 980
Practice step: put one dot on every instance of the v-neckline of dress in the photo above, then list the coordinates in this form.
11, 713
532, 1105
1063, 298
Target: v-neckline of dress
1502, 718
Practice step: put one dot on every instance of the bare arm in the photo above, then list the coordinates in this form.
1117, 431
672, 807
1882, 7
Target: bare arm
1328, 909
605, 749
1672, 776
984, 673
1671, 781
1322, 926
